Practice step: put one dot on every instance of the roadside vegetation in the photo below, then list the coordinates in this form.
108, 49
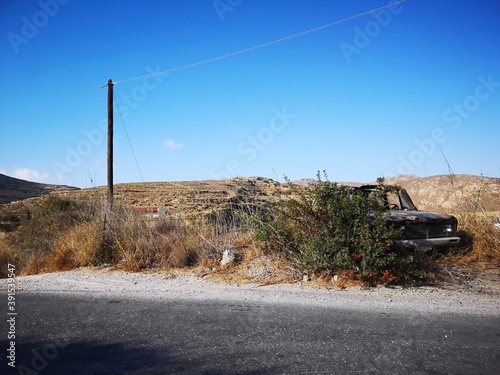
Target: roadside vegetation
479, 228
325, 230
319, 231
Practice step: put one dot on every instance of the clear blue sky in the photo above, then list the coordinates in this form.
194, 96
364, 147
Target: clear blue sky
379, 95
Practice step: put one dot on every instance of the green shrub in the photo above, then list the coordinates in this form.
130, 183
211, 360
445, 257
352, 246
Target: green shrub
328, 228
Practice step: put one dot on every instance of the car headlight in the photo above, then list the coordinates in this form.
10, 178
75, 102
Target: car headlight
448, 229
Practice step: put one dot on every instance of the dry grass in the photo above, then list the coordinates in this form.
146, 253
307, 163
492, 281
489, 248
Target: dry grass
80, 246
89, 235
481, 240
8, 257
473, 208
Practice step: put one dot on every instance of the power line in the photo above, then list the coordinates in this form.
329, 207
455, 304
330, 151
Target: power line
128, 138
213, 59
52, 106
262, 45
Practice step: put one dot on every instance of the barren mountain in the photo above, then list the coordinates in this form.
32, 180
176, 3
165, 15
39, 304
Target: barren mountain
13, 189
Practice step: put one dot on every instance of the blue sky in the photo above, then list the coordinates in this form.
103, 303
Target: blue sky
383, 94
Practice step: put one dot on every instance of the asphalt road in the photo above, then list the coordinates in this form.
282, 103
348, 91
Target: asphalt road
99, 334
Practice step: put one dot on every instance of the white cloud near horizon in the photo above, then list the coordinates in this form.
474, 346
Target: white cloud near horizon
169, 143
30, 175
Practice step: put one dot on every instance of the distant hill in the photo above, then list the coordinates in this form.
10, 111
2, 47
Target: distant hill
445, 193
14, 189
191, 199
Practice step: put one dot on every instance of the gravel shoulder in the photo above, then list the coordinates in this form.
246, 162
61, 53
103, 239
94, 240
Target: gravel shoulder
174, 285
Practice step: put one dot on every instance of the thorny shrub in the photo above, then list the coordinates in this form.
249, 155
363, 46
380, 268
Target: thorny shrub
330, 228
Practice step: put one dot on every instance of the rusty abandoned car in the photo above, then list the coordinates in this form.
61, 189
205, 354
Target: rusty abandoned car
421, 230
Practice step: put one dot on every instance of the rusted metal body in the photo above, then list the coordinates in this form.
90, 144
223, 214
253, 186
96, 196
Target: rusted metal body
421, 230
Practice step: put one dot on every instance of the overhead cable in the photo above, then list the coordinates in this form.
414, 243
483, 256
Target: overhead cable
52, 106
213, 59
262, 45
128, 138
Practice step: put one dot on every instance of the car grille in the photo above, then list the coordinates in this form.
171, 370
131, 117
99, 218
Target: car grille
429, 230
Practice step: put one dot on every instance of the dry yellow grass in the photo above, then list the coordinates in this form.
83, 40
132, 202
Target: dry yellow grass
481, 239
79, 246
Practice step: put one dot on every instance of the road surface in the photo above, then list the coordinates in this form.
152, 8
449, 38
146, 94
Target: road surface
85, 331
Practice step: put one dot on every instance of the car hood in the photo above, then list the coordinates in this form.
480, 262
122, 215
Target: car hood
404, 217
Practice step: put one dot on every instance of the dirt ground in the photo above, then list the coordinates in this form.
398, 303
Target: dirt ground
475, 279
467, 296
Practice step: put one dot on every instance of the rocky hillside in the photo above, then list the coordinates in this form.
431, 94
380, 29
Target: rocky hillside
449, 193
13, 189
193, 199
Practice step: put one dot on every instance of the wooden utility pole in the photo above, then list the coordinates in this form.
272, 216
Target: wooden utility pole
110, 144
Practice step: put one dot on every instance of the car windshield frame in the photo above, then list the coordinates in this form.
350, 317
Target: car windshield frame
405, 200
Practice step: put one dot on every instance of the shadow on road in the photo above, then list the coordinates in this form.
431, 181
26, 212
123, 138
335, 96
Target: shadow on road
79, 358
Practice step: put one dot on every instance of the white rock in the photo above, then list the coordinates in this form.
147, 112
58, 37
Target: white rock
228, 256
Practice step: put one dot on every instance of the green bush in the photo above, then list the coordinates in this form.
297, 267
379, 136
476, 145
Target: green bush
327, 228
